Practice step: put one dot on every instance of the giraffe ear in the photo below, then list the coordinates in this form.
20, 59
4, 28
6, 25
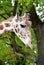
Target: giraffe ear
30, 24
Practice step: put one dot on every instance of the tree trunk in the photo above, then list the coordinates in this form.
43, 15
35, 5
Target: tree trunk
39, 31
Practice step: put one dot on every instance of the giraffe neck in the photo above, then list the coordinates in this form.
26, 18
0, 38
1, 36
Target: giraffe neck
5, 27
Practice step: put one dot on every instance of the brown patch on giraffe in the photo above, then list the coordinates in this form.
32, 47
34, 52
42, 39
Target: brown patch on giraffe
5, 31
1, 27
24, 35
18, 30
7, 24
28, 24
28, 34
16, 25
9, 19
21, 33
20, 19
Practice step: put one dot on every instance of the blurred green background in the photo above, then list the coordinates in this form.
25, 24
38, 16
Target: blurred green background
7, 57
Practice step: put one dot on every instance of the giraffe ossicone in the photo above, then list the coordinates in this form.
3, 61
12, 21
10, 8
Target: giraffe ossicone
21, 27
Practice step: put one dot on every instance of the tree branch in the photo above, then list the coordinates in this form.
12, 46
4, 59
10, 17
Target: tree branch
3, 16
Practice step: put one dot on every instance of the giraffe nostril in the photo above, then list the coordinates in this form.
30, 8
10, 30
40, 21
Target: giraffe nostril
7, 24
1, 27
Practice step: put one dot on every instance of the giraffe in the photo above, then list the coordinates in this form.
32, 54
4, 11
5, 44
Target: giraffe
21, 26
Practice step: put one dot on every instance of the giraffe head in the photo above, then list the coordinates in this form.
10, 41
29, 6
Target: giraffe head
20, 26
22, 29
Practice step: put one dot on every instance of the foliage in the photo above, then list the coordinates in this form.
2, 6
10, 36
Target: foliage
6, 55
39, 6
24, 5
5, 9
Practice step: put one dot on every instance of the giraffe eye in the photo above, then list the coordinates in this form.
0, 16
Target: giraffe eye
23, 26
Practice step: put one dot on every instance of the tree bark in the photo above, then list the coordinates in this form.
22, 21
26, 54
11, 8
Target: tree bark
39, 31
